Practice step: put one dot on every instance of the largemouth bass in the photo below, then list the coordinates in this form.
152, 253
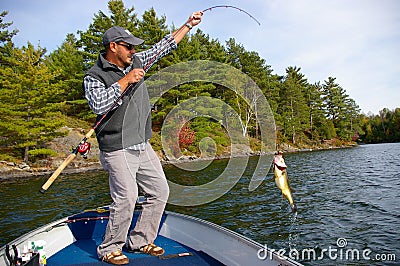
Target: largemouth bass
282, 181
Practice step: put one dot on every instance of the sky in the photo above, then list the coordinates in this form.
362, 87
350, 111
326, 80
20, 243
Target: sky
357, 42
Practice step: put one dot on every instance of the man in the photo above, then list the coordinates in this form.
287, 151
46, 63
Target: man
123, 138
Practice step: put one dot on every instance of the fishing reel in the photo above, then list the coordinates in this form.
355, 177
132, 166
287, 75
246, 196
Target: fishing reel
84, 149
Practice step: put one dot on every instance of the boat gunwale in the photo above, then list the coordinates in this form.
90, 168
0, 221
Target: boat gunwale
241, 238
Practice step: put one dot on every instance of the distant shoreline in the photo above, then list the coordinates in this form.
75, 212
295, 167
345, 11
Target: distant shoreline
14, 172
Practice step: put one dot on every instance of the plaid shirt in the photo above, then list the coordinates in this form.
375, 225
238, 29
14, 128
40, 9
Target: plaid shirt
100, 98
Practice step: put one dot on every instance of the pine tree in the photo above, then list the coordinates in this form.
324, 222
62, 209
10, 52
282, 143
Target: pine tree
91, 40
152, 29
5, 34
28, 112
293, 104
317, 120
67, 61
341, 110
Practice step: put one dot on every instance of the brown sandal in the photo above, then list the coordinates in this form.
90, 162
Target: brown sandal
116, 258
152, 249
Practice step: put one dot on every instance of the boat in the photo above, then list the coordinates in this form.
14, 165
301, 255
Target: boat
186, 240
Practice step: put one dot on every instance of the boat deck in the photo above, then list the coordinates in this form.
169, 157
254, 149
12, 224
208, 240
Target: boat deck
83, 252
89, 233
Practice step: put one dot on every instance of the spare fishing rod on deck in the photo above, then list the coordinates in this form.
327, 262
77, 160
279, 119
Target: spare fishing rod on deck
83, 147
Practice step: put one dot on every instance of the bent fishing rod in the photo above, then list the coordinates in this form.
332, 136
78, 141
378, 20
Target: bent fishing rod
83, 147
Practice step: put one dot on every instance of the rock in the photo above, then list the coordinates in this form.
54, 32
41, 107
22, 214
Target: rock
8, 163
24, 166
187, 158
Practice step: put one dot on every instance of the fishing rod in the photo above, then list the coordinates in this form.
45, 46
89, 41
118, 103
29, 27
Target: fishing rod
83, 147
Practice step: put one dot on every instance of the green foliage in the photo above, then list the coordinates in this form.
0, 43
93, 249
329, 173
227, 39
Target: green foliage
383, 127
5, 34
67, 61
29, 112
91, 39
8, 157
155, 141
42, 153
152, 29
293, 104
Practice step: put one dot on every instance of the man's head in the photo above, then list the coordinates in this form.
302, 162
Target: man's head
119, 44
119, 34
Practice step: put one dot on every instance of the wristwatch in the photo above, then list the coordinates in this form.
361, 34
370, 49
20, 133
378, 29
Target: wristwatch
189, 26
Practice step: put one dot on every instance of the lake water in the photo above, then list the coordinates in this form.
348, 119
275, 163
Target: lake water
348, 205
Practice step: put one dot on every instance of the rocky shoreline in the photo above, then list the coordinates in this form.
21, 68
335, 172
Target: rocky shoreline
8, 172
13, 171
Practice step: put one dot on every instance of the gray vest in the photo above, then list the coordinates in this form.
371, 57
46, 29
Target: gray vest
129, 123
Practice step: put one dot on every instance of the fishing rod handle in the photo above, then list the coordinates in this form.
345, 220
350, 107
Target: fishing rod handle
57, 173
89, 134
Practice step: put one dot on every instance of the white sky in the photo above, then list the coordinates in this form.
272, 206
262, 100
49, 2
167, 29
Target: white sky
356, 41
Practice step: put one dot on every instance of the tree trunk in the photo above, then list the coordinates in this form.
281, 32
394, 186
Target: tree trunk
26, 154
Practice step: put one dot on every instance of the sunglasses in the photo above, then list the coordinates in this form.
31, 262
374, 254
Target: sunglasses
128, 46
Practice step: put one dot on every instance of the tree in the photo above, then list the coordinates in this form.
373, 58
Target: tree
293, 103
67, 61
91, 40
5, 34
351, 124
251, 64
341, 109
383, 127
152, 29
28, 112
6, 45
186, 137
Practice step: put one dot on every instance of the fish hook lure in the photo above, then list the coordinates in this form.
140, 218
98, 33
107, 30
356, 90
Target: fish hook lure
234, 7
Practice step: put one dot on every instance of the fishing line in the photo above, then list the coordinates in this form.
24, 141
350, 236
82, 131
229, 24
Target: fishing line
293, 236
234, 7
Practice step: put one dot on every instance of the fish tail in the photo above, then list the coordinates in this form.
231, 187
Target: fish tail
293, 207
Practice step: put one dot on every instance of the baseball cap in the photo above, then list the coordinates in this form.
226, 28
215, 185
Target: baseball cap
118, 34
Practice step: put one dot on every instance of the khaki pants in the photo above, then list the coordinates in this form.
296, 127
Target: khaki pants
129, 169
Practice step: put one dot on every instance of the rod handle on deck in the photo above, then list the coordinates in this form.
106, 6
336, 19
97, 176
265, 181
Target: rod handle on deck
57, 173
